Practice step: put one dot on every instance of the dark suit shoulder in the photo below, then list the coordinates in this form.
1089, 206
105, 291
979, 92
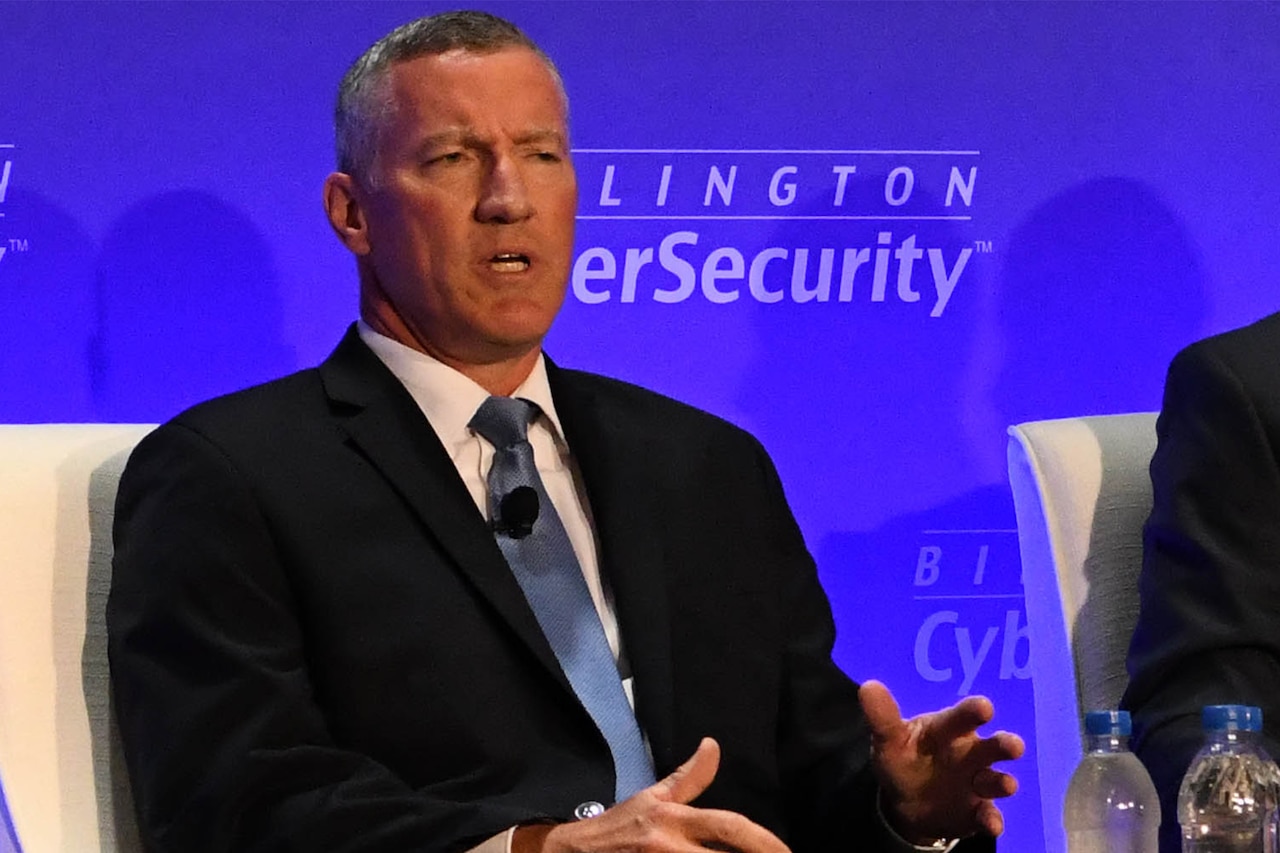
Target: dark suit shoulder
1250, 353
267, 415
647, 406
276, 398
267, 430
1230, 383
261, 415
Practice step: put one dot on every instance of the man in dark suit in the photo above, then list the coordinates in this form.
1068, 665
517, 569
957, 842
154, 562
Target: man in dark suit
1209, 627
318, 639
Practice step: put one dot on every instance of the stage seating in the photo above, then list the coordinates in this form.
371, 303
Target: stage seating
60, 760
1082, 493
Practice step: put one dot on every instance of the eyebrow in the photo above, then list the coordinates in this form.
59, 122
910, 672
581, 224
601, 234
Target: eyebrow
468, 138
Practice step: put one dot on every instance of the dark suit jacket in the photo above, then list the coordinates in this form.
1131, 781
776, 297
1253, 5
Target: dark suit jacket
1209, 628
317, 646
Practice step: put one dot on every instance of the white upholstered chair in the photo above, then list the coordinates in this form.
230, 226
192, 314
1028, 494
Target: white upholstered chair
60, 762
1081, 492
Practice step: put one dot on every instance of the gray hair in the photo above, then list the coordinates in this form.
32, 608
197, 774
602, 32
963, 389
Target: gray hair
363, 103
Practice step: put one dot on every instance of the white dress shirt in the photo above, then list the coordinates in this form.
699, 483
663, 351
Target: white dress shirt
449, 400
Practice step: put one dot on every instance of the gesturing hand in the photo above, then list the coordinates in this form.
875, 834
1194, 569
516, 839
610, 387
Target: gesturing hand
935, 770
659, 818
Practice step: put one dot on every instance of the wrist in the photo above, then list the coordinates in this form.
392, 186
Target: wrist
898, 824
531, 838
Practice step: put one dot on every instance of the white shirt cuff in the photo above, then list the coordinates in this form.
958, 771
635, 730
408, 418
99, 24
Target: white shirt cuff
500, 843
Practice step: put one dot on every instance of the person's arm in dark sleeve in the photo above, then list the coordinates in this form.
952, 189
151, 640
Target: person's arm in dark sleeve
227, 749
1209, 626
824, 740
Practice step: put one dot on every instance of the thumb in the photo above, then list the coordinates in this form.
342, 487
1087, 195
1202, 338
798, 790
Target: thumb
690, 779
881, 710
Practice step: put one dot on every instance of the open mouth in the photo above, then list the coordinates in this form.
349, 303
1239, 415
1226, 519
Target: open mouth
509, 262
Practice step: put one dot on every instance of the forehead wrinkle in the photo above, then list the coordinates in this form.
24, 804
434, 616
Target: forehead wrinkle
457, 134
540, 134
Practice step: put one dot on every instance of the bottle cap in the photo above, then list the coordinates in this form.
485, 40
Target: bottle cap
1114, 723
1230, 718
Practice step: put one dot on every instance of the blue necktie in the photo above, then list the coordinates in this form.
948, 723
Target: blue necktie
541, 557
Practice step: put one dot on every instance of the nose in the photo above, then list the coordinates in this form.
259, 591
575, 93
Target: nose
504, 198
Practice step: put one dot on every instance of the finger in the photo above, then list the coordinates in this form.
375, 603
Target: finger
992, 784
990, 818
881, 710
717, 829
690, 779
960, 719
1011, 744
1001, 746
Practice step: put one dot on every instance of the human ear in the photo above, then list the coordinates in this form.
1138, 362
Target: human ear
346, 213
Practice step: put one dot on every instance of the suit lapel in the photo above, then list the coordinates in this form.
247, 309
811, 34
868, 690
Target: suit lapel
611, 452
385, 425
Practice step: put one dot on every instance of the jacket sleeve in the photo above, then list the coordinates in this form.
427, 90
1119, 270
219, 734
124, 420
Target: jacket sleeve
226, 746
1207, 631
824, 740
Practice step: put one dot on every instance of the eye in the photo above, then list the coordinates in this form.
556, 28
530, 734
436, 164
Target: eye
547, 156
446, 158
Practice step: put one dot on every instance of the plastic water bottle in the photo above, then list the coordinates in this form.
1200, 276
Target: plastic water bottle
1228, 800
1111, 805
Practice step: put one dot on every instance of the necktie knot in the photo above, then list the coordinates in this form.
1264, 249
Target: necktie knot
504, 421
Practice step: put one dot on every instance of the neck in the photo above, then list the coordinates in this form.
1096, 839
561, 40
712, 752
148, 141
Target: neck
500, 379
500, 375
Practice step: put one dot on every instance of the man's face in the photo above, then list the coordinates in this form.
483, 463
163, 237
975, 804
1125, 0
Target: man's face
470, 217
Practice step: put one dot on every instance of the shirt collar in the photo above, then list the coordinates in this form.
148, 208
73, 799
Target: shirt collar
446, 396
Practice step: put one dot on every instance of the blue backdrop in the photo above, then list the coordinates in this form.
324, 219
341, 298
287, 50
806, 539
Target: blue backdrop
874, 234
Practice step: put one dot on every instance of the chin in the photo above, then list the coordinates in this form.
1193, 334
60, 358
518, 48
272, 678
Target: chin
521, 327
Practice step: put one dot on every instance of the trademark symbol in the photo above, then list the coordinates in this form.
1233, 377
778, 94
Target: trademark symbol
16, 247
982, 247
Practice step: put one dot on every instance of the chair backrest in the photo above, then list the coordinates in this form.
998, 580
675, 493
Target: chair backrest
1082, 492
60, 760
